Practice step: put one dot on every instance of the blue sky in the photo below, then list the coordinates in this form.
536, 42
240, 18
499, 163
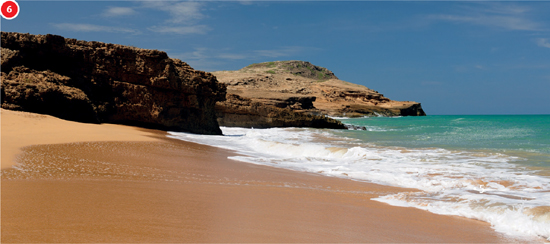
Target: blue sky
454, 57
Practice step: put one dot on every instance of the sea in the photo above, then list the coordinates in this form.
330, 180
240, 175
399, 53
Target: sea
493, 168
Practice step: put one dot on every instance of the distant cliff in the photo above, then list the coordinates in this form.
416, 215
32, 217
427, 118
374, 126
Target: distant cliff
97, 82
303, 88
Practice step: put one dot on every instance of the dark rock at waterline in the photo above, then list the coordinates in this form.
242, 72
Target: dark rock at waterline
355, 127
237, 111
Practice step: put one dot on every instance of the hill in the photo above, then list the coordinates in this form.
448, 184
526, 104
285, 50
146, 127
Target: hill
306, 88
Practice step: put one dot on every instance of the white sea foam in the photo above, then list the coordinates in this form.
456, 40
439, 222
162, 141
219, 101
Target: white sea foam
338, 118
378, 128
484, 186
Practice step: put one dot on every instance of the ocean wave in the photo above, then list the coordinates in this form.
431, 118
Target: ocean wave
481, 185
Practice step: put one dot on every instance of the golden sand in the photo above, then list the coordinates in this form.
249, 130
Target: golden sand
147, 188
21, 129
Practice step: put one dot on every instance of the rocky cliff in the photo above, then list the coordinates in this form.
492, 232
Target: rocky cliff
237, 111
256, 100
303, 88
106, 83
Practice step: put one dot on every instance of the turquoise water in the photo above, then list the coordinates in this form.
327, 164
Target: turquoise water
491, 168
524, 136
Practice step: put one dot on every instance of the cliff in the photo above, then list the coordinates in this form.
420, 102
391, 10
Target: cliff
304, 88
255, 101
237, 111
97, 82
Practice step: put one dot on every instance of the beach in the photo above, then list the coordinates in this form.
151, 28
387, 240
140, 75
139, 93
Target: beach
65, 181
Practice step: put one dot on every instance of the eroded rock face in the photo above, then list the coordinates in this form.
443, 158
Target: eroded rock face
237, 111
106, 83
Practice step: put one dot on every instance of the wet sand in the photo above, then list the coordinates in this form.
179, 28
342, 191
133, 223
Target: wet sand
165, 190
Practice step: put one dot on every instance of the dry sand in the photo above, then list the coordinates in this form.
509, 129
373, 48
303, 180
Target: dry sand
21, 129
147, 188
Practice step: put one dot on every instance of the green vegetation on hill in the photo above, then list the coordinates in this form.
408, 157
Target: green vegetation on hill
298, 68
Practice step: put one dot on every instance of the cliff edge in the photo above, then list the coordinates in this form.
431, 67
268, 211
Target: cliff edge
98, 82
304, 88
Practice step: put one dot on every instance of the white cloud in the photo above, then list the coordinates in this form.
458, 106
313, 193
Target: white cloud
503, 22
182, 30
199, 53
232, 56
501, 16
182, 17
180, 12
503, 8
245, 2
200, 58
543, 42
118, 11
93, 28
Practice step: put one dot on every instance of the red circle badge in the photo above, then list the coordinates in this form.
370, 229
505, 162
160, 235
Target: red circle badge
10, 9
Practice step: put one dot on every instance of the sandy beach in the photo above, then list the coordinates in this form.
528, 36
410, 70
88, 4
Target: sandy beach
64, 181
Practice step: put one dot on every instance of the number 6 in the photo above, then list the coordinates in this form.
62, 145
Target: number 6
9, 9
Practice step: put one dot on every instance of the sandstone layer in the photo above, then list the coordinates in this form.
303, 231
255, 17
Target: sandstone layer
98, 82
302, 87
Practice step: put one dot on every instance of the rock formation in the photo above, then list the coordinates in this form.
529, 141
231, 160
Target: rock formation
302, 88
257, 102
236, 111
97, 82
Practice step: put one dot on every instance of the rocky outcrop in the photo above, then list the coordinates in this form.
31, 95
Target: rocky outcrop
308, 89
106, 83
237, 111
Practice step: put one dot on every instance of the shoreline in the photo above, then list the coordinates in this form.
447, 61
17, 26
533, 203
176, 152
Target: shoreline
140, 186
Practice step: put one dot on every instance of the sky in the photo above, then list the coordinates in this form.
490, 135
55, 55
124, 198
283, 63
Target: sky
454, 57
